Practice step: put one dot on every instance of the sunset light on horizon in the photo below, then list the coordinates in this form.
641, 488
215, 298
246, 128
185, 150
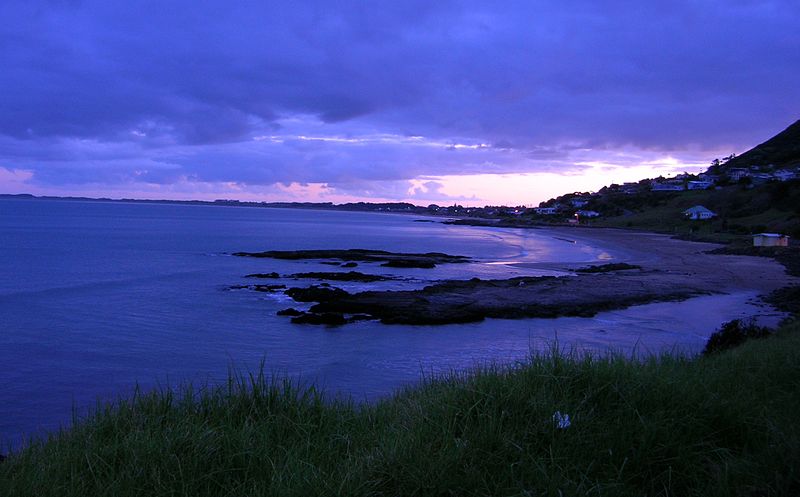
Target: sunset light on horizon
449, 103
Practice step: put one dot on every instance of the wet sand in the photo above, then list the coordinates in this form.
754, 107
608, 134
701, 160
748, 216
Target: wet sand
684, 262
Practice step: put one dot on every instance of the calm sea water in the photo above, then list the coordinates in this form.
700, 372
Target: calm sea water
97, 297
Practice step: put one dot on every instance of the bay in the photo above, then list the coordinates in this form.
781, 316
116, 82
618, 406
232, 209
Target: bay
97, 297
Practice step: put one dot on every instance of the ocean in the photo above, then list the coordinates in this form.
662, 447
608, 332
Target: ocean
98, 297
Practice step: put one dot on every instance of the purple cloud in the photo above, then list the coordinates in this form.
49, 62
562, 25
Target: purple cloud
266, 93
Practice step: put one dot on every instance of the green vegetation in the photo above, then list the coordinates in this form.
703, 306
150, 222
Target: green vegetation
772, 207
721, 425
754, 203
781, 150
733, 334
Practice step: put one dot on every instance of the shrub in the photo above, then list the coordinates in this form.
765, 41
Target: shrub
732, 334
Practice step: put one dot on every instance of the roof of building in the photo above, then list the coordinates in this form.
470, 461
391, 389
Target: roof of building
697, 209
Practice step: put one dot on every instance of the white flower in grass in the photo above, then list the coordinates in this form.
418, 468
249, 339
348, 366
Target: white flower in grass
561, 420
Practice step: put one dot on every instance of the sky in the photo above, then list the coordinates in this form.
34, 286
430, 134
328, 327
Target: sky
475, 103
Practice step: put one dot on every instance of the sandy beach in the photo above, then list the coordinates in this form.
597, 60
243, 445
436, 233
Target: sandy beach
685, 262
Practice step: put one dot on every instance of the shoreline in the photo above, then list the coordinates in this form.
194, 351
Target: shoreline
666, 269
720, 273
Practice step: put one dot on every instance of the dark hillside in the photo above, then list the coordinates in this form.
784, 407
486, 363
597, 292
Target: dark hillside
782, 150
773, 207
764, 196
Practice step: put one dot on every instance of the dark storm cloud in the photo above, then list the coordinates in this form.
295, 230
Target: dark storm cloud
154, 91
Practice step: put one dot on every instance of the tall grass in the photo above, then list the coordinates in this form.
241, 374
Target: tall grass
716, 426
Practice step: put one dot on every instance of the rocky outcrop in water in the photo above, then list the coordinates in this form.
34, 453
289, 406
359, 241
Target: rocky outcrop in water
463, 301
291, 311
389, 259
326, 318
607, 268
316, 293
348, 276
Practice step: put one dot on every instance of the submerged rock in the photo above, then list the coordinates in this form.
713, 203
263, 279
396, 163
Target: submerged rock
291, 311
316, 294
268, 288
390, 259
606, 268
264, 275
348, 276
349, 264
360, 317
410, 263
326, 318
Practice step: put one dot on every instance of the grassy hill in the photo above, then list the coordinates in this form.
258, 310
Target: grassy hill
751, 204
773, 207
782, 150
724, 425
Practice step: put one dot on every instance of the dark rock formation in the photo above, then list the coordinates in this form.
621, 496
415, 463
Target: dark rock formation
460, 301
263, 275
258, 288
410, 263
359, 317
348, 276
268, 288
605, 268
326, 318
349, 264
316, 294
291, 311
426, 260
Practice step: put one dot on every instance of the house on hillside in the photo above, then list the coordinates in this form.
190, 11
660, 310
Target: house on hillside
770, 240
546, 211
666, 187
738, 173
761, 178
698, 212
630, 188
784, 175
583, 213
699, 185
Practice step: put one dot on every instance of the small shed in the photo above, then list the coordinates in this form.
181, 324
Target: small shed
698, 212
770, 240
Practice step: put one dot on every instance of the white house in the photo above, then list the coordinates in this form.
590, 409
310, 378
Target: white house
784, 175
587, 214
699, 185
666, 187
761, 178
578, 202
630, 188
738, 173
770, 240
546, 211
698, 212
